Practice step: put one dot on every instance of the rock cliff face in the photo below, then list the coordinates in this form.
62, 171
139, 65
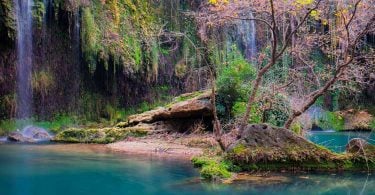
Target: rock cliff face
84, 59
356, 119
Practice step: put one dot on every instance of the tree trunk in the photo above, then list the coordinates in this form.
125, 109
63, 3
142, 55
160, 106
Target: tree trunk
251, 100
216, 122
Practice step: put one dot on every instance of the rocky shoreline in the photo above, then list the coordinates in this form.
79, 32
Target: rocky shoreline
182, 129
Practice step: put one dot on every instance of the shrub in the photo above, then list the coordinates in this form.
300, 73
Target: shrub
239, 109
215, 171
331, 120
296, 128
233, 80
372, 125
212, 169
279, 112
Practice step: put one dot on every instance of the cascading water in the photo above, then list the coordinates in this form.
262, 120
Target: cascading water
24, 69
243, 35
24, 57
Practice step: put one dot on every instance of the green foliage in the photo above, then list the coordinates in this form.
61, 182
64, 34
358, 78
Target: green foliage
42, 82
188, 96
239, 109
90, 38
59, 123
7, 19
296, 127
234, 81
200, 161
228, 165
7, 105
38, 12
239, 149
372, 125
124, 30
331, 120
278, 113
7, 126
211, 169
280, 71
215, 171
55, 125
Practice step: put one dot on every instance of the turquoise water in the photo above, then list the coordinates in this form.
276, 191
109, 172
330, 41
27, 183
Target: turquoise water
336, 141
92, 169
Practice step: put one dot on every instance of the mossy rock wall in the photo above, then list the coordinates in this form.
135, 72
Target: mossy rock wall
90, 56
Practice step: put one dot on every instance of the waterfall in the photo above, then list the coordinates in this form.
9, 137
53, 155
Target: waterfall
243, 34
24, 57
251, 49
76, 40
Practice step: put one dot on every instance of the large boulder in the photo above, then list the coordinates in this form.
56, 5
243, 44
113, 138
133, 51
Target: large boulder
36, 133
30, 134
267, 147
191, 105
19, 137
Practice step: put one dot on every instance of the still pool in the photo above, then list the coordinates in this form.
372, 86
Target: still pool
337, 141
59, 169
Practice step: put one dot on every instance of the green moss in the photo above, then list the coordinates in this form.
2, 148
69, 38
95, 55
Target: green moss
200, 161
234, 78
215, 171
7, 126
188, 96
331, 120
124, 30
372, 124
239, 149
212, 168
42, 82
7, 19
58, 123
296, 157
101, 136
38, 12
90, 38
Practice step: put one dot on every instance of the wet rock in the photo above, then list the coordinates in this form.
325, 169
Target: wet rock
257, 179
29, 134
36, 133
270, 148
19, 137
357, 145
263, 135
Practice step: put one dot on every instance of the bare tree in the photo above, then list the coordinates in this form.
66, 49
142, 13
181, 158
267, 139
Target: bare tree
351, 33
